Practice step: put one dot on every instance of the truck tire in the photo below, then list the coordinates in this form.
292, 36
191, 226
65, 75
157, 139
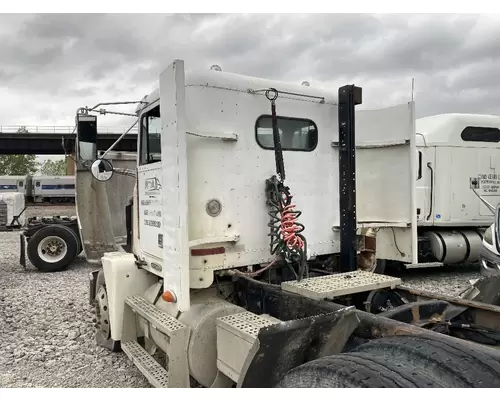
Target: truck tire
399, 361
352, 370
103, 324
77, 238
456, 365
52, 248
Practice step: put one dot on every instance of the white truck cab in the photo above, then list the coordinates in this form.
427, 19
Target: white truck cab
456, 153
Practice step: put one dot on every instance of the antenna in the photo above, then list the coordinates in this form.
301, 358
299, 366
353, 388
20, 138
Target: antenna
412, 89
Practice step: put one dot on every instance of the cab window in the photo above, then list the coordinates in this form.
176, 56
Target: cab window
481, 134
295, 133
150, 128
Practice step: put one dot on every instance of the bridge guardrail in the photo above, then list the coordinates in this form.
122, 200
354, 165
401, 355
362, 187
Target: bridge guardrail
60, 129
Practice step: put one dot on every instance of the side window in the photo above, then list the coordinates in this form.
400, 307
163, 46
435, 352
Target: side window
37, 184
20, 184
295, 133
150, 126
481, 134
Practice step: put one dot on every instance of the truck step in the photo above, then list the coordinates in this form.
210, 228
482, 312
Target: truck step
331, 286
159, 319
175, 339
246, 324
236, 334
150, 368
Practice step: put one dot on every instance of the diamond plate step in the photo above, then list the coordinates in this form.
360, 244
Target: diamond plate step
236, 334
175, 342
154, 372
331, 286
246, 324
158, 318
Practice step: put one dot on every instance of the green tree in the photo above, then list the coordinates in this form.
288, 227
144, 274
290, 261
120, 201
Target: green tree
18, 164
53, 168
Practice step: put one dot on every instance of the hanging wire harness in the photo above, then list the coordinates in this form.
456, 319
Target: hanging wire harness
285, 232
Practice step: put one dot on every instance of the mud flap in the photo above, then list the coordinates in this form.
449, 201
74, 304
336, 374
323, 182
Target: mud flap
286, 345
22, 257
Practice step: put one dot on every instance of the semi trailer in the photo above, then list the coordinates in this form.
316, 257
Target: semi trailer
252, 226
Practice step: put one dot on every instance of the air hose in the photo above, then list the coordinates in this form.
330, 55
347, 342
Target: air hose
285, 232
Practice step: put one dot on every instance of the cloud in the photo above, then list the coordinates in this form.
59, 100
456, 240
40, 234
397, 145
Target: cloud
52, 64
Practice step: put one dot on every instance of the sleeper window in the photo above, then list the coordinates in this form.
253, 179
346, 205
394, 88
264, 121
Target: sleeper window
481, 134
295, 133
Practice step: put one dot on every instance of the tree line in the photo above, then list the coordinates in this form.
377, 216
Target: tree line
18, 164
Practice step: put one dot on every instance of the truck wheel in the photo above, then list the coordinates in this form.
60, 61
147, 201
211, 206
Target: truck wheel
103, 325
399, 361
78, 240
76, 236
353, 370
456, 365
52, 248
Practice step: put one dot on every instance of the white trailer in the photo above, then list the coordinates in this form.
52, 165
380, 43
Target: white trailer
229, 283
455, 152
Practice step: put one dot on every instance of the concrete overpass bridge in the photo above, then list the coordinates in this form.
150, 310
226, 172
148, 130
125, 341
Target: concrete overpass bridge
47, 140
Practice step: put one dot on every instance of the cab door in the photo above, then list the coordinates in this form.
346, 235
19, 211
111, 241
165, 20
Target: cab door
162, 186
150, 186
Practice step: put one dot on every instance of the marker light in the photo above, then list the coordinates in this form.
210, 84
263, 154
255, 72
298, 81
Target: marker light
169, 297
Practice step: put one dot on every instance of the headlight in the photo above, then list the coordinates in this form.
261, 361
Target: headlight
488, 236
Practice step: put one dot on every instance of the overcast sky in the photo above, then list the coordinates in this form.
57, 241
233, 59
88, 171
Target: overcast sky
52, 64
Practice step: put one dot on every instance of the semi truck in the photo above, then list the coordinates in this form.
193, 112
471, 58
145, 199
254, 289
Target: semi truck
245, 262
454, 151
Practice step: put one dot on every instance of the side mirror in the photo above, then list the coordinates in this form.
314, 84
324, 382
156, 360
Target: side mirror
102, 170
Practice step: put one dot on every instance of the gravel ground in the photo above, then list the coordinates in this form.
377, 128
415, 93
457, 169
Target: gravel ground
47, 325
449, 281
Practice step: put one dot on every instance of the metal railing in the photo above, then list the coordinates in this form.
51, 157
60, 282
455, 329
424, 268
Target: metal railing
60, 129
